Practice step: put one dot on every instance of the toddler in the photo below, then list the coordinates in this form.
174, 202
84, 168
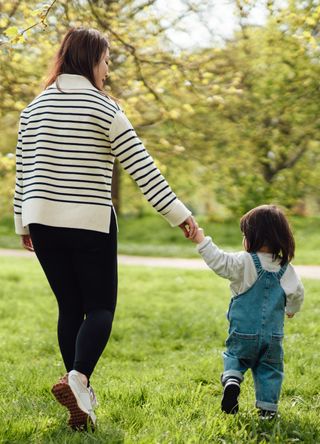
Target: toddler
264, 287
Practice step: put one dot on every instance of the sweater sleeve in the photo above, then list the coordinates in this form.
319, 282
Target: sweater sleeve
135, 159
295, 299
17, 202
227, 265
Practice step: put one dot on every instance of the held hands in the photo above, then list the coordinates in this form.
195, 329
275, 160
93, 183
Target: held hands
189, 227
199, 236
26, 242
191, 230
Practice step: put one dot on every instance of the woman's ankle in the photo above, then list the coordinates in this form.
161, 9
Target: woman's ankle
83, 378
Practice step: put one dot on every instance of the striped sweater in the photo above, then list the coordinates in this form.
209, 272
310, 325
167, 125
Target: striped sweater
66, 148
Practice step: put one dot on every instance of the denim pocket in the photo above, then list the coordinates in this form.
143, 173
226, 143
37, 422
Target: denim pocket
274, 352
243, 345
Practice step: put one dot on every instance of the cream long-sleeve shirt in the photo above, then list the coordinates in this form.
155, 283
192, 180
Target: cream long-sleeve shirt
239, 269
68, 141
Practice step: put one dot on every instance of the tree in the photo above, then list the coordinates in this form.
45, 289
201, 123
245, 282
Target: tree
140, 69
256, 114
233, 124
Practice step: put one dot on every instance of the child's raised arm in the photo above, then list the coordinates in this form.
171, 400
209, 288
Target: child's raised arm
199, 237
227, 265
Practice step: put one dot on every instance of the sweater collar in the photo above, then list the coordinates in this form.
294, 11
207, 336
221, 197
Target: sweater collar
72, 81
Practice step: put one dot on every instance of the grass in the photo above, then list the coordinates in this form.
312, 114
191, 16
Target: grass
158, 379
152, 236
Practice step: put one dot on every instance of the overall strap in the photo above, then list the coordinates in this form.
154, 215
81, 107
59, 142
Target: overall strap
257, 263
281, 272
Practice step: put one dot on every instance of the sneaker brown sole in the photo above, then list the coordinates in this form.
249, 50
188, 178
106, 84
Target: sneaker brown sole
79, 420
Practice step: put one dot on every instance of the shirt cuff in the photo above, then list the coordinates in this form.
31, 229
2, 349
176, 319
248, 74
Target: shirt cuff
206, 241
292, 309
19, 228
177, 214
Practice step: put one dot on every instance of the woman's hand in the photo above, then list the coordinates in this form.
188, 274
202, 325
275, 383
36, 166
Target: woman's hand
26, 242
189, 227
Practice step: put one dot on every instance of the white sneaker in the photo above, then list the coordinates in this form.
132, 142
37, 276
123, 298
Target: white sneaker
94, 401
93, 398
75, 396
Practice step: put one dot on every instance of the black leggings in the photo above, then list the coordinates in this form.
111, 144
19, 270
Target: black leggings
81, 268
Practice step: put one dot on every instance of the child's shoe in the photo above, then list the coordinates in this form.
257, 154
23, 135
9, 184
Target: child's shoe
231, 391
267, 414
75, 396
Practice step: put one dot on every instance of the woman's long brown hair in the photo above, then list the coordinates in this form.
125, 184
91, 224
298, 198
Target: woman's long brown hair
80, 51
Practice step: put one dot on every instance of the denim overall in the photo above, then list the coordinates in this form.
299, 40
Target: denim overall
255, 336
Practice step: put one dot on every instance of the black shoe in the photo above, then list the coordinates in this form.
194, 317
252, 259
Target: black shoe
267, 414
231, 391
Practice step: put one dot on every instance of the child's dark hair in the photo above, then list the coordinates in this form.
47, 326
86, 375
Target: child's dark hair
266, 225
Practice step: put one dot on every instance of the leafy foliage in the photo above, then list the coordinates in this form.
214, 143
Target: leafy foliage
230, 126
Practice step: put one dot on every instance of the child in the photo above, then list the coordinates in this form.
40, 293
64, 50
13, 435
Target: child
264, 286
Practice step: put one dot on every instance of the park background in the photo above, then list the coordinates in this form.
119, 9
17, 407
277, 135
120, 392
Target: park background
225, 96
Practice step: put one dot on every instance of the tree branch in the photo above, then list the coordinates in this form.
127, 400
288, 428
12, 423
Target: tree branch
41, 22
269, 171
132, 50
140, 8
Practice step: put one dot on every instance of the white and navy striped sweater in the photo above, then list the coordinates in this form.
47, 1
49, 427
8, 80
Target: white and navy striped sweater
66, 149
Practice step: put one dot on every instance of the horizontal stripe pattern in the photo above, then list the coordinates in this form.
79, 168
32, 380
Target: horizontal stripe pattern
135, 159
63, 140
67, 144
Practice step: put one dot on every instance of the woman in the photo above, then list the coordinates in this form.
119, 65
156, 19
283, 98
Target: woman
69, 137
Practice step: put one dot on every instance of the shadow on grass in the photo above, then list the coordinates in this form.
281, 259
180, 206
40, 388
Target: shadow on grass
288, 428
40, 419
58, 432
105, 433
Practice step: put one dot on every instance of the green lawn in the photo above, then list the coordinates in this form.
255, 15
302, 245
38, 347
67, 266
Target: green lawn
158, 379
153, 236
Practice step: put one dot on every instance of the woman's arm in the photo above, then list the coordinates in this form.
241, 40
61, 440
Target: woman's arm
19, 228
26, 241
136, 160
